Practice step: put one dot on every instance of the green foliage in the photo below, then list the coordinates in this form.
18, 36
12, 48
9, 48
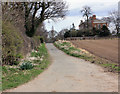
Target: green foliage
40, 51
36, 54
37, 61
65, 44
4, 70
12, 77
16, 62
72, 52
11, 43
41, 39
87, 32
19, 56
104, 32
73, 33
30, 33
26, 65
113, 66
96, 31
118, 35
79, 33
67, 34
73, 48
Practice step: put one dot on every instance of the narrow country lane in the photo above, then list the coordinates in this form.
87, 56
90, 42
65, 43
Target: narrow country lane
70, 74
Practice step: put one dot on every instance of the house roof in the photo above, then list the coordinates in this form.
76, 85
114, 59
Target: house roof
94, 20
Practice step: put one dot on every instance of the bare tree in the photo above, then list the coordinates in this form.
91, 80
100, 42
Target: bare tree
86, 13
41, 31
107, 19
36, 13
114, 16
13, 12
61, 33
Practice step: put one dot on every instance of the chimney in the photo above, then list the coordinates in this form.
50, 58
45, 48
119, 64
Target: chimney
94, 17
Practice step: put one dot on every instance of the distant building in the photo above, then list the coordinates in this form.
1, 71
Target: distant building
93, 22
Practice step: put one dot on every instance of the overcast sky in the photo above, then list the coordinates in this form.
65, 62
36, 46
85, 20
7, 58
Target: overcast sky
100, 8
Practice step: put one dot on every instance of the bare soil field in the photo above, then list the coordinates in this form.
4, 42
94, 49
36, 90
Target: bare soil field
105, 48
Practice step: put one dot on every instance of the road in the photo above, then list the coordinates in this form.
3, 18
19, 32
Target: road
70, 74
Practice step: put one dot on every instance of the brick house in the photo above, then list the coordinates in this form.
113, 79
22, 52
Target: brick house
93, 22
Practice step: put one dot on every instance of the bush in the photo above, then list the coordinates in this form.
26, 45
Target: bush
79, 33
20, 56
87, 32
26, 65
67, 34
73, 33
11, 43
98, 31
16, 62
41, 39
105, 32
36, 54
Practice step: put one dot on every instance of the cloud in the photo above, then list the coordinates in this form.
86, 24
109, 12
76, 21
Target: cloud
74, 12
101, 8
63, 24
73, 4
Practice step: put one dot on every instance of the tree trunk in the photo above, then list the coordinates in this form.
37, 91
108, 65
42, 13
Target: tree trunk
87, 22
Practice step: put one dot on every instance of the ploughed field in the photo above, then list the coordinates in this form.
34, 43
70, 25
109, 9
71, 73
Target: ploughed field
105, 48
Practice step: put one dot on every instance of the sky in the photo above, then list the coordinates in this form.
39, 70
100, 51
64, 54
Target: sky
100, 8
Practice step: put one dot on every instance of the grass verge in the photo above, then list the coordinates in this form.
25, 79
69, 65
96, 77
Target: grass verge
13, 76
71, 50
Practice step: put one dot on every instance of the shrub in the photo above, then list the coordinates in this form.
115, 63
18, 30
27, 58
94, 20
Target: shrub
79, 33
16, 62
104, 32
11, 43
41, 39
20, 56
36, 54
67, 34
26, 65
73, 33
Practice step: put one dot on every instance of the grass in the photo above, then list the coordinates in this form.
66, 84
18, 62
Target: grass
13, 77
70, 49
111, 66
65, 43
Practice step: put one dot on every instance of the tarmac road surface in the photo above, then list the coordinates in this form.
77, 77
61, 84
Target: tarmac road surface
70, 74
